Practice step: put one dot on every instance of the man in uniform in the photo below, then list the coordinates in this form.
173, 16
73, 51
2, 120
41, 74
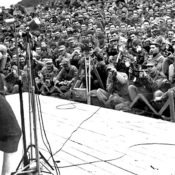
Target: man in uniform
65, 78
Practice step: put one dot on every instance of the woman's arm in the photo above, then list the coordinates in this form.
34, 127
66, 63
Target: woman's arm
3, 57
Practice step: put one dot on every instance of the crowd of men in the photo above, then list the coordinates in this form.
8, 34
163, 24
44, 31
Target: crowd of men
130, 46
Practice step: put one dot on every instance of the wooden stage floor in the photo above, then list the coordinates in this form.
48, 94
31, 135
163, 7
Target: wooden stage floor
88, 140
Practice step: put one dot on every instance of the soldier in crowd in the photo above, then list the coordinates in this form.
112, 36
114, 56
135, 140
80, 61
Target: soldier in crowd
135, 43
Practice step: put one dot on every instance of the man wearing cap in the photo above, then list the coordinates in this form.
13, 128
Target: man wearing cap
44, 51
76, 57
153, 78
65, 78
149, 81
113, 47
107, 18
46, 75
124, 15
155, 56
62, 55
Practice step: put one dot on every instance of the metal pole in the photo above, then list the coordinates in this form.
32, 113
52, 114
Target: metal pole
89, 97
86, 74
33, 105
25, 161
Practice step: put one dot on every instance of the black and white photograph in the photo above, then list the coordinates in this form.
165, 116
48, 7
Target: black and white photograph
87, 87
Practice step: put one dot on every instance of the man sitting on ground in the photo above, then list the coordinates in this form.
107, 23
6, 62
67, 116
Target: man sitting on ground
45, 83
65, 78
117, 89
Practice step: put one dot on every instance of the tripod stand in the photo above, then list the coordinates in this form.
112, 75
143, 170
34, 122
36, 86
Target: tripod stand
32, 160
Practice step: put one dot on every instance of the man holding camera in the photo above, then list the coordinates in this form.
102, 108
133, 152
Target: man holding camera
152, 78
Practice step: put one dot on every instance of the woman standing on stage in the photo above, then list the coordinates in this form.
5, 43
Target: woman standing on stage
10, 131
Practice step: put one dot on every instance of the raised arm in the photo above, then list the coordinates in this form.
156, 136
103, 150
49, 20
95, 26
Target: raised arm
3, 57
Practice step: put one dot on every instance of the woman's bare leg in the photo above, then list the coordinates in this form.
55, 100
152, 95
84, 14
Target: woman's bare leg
7, 163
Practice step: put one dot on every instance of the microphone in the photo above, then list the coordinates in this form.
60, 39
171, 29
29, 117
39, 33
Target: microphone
34, 24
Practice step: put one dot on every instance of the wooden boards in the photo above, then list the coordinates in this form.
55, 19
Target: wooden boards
91, 140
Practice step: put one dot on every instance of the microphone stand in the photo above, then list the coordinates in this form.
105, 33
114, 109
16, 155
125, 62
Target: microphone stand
32, 104
32, 98
89, 97
25, 158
